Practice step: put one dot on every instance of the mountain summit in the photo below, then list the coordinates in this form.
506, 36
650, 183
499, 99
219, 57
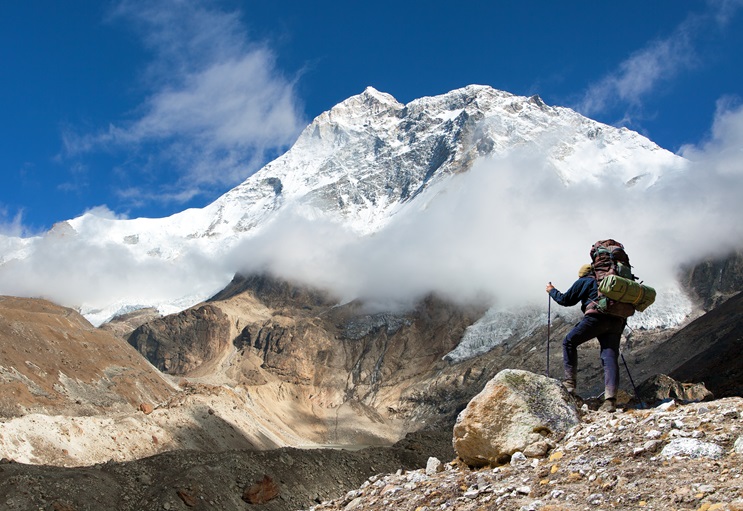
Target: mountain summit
360, 164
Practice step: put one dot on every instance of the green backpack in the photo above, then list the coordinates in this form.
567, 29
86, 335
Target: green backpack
619, 293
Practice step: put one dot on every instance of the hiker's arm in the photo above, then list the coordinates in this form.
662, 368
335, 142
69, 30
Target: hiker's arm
569, 297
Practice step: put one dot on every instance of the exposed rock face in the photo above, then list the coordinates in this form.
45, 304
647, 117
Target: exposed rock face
516, 411
715, 280
297, 349
275, 292
181, 343
53, 361
718, 363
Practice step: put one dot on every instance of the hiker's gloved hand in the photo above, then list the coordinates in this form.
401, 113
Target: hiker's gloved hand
550, 287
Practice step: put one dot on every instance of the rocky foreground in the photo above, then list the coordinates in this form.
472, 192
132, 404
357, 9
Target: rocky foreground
666, 458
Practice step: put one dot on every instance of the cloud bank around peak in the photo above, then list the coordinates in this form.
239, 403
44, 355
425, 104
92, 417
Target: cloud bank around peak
508, 226
498, 232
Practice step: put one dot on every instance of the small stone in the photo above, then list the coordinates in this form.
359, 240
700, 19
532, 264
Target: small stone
144, 479
146, 408
471, 494
356, 503
523, 490
517, 458
667, 406
557, 455
720, 506
187, 498
651, 445
692, 448
653, 434
351, 495
537, 449
738, 446
434, 466
595, 499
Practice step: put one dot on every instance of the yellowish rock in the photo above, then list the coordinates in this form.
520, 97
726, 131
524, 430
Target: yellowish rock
557, 455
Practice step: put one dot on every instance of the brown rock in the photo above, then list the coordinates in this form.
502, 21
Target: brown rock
62, 506
515, 410
146, 408
261, 492
661, 388
187, 498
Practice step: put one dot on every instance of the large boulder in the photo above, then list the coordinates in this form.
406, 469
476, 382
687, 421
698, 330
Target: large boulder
516, 411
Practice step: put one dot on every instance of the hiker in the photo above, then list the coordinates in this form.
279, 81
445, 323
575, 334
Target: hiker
607, 328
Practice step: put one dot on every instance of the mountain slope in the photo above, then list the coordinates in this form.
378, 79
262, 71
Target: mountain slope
54, 361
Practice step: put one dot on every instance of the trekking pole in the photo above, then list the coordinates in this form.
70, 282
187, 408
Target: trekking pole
637, 395
549, 323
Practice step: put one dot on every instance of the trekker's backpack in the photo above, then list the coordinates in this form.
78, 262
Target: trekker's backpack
619, 293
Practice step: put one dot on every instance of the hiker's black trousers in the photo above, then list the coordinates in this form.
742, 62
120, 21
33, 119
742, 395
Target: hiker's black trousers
608, 330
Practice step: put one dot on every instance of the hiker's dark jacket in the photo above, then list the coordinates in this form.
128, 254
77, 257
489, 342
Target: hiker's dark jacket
584, 290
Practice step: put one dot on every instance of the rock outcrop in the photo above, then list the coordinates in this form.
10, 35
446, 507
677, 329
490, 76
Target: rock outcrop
517, 411
714, 280
181, 343
660, 388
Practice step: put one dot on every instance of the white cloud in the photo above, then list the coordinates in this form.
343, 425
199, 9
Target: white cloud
659, 63
77, 272
103, 211
11, 226
501, 230
217, 102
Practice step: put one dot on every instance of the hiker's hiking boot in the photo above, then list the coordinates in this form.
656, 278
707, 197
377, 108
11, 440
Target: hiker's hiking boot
609, 405
569, 385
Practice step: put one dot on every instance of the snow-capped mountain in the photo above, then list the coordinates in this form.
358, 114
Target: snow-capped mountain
361, 164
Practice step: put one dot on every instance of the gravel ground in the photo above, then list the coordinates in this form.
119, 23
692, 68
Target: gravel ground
667, 458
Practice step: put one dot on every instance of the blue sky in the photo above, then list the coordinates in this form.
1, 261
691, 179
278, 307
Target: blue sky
148, 108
